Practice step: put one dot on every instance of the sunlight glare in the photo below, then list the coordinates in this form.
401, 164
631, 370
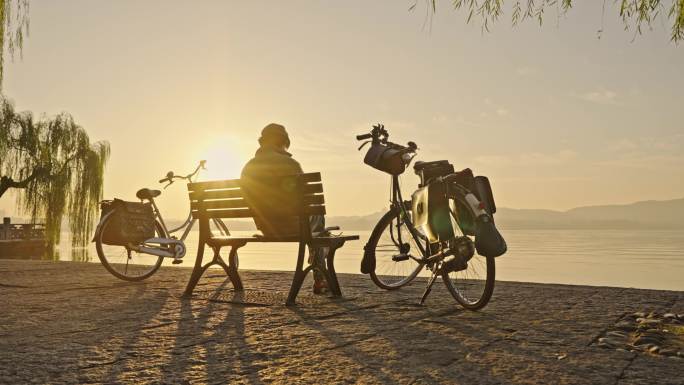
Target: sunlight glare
224, 159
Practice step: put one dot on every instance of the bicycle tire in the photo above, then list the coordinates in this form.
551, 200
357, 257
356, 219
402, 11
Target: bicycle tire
471, 276
405, 273
117, 253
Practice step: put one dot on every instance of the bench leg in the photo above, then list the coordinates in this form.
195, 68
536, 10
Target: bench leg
230, 268
330, 261
233, 269
197, 271
299, 275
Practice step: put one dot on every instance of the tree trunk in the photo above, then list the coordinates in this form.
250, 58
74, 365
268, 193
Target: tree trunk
7, 182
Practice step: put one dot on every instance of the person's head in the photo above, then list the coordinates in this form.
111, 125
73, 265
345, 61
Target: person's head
274, 135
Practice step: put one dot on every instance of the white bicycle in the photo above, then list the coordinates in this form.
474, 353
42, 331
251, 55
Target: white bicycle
135, 262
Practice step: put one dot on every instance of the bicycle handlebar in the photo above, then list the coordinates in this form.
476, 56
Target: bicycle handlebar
170, 176
380, 135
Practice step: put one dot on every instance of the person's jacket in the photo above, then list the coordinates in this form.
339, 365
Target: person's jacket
257, 175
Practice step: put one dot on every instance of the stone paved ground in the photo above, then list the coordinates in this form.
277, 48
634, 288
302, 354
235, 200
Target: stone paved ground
65, 322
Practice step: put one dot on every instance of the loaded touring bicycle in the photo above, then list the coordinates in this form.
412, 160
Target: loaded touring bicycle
447, 227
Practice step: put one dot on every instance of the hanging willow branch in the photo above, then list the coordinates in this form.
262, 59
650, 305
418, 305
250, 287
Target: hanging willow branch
14, 26
635, 14
55, 168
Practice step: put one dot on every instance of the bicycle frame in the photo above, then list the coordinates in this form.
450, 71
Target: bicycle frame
187, 225
167, 238
398, 201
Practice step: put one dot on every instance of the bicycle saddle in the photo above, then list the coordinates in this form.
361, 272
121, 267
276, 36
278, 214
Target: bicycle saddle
145, 193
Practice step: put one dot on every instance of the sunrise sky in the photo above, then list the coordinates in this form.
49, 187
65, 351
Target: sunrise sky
556, 117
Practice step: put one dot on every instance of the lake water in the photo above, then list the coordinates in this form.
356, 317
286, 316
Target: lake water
625, 258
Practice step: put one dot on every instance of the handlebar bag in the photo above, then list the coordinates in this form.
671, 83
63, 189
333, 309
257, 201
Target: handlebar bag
130, 222
384, 158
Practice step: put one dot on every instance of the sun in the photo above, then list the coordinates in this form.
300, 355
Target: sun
224, 161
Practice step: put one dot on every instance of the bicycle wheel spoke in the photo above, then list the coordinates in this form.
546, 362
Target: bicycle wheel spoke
125, 264
390, 240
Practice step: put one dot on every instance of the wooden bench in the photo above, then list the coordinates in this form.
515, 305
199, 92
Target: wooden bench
298, 196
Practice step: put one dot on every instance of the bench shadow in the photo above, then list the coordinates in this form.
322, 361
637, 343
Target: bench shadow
138, 309
219, 329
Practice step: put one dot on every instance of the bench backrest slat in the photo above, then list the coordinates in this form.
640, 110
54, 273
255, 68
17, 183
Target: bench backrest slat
286, 196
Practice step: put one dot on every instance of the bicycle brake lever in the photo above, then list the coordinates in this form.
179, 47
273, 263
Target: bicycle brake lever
169, 184
363, 144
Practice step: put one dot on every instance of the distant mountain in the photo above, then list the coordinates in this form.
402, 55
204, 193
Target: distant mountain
639, 215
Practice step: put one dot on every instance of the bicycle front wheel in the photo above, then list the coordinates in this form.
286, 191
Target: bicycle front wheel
472, 288
125, 264
393, 246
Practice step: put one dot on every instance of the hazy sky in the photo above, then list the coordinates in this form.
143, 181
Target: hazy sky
554, 116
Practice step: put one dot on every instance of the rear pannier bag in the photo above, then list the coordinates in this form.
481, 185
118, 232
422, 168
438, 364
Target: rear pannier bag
483, 191
130, 222
488, 241
385, 158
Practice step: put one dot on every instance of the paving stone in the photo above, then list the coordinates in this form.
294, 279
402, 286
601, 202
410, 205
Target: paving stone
65, 322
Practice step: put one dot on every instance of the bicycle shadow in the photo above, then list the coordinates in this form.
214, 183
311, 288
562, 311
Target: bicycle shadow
400, 349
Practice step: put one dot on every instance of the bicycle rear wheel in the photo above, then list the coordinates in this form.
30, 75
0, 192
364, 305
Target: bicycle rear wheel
129, 266
473, 287
392, 271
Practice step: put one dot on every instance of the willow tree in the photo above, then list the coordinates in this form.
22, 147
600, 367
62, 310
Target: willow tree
14, 26
55, 169
636, 15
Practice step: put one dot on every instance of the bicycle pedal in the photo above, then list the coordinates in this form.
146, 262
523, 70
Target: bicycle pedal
177, 261
400, 257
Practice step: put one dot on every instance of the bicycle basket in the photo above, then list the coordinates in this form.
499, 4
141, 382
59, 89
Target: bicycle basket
131, 222
385, 158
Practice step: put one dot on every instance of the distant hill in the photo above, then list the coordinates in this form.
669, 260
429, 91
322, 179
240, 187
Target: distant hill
639, 215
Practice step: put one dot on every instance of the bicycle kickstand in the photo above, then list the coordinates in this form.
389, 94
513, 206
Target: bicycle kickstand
428, 289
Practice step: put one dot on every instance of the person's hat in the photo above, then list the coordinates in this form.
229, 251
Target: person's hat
275, 130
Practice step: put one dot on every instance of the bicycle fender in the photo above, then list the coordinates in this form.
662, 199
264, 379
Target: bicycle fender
98, 228
368, 261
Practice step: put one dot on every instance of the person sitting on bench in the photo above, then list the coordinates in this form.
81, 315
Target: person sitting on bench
270, 160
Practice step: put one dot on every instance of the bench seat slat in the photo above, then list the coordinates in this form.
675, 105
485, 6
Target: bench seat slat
214, 185
216, 194
295, 238
316, 188
220, 204
311, 177
242, 203
247, 213
223, 213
